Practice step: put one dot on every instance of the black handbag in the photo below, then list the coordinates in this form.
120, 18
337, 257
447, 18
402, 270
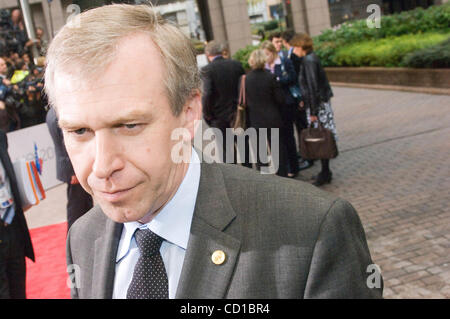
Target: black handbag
318, 143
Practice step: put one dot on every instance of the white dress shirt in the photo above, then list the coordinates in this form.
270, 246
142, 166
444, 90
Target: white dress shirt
173, 224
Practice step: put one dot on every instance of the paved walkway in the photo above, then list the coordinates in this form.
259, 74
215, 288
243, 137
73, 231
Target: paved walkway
394, 168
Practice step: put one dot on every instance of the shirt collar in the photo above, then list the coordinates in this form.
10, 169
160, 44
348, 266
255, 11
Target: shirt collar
173, 223
290, 51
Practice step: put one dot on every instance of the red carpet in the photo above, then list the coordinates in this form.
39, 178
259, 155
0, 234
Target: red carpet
47, 277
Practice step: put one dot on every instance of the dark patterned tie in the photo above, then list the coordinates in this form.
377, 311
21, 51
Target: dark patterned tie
149, 276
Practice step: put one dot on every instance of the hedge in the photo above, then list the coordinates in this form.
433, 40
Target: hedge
388, 52
433, 19
243, 55
437, 56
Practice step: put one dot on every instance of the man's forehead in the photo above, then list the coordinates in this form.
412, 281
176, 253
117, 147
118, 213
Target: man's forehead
136, 62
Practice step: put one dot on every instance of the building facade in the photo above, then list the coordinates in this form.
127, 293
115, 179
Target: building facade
346, 10
50, 16
228, 21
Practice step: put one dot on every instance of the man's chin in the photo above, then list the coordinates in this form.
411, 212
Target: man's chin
120, 214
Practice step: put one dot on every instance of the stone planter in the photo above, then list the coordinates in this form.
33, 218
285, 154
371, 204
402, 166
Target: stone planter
425, 80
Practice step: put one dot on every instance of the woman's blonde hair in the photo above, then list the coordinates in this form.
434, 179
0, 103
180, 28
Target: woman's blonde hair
268, 46
257, 59
84, 49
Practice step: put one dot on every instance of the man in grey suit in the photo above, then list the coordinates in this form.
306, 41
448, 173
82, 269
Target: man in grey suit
167, 225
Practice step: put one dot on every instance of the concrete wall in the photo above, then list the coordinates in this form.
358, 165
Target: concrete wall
310, 16
230, 23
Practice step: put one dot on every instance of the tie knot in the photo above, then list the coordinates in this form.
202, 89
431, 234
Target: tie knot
148, 242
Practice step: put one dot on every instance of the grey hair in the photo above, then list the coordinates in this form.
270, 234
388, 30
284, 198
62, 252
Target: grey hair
82, 50
214, 48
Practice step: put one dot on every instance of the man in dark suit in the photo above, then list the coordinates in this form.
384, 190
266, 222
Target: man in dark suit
78, 201
15, 241
173, 227
300, 119
220, 90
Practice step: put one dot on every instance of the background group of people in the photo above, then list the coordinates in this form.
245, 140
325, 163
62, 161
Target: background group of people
285, 87
22, 102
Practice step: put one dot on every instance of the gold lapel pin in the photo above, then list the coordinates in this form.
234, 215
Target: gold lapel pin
218, 257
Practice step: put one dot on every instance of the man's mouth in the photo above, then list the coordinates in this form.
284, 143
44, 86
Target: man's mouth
114, 195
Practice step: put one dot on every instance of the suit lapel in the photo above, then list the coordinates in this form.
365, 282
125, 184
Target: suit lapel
200, 277
105, 260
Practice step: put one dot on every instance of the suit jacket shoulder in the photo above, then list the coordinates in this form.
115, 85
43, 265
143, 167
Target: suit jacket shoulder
91, 249
282, 239
311, 242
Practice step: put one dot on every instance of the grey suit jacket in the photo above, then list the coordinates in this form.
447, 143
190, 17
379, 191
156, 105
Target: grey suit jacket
282, 239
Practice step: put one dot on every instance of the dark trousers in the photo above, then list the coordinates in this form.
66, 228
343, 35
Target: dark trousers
78, 203
222, 144
12, 262
283, 164
287, 132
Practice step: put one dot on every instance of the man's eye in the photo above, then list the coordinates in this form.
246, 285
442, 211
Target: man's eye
130, 126
80, 131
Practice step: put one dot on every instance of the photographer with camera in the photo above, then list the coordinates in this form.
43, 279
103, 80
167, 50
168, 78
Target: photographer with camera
40, 42
26, 91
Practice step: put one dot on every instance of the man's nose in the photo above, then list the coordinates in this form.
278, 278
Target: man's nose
108, 155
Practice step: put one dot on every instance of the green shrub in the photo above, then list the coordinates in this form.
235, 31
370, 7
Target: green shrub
270, 25
198, 45
388, 52
434, 19
437, 56
265, 27
242, 55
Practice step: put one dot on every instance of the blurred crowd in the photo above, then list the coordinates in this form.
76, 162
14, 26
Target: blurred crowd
286, 89
22, 102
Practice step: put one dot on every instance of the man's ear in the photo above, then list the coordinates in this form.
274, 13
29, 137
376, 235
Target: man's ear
193, 112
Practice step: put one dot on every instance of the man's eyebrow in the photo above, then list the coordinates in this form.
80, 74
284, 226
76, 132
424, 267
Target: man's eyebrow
131, 116
65, 125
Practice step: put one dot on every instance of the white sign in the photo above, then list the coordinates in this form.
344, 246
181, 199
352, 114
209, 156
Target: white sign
21, 145
202, 60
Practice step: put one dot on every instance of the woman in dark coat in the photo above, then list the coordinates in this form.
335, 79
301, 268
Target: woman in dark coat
316, 92
265, 98
284, 71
